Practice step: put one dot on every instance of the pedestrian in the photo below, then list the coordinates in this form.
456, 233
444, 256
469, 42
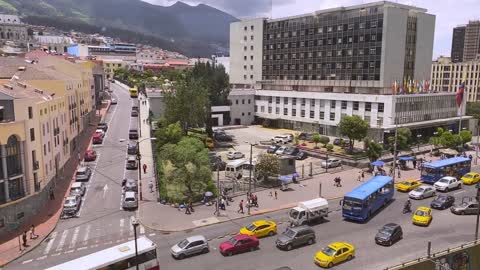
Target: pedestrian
144, 168
24, 238
190, 205
363, 176
187, 209
32, 232
270, 194
470, 157
240, 207
294, 179
339, 181
52, 194
275, 195
414, 162
222, 204
359, 178
399, 173
255, 199
150, 185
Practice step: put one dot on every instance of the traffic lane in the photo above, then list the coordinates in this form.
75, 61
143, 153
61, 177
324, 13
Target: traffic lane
442, 233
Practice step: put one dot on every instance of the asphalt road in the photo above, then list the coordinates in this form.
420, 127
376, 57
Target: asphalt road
101, 221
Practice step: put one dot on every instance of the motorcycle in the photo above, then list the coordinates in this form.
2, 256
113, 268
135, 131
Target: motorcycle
407, 209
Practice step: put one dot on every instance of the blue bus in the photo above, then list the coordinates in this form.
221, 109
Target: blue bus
456, 167
360, 203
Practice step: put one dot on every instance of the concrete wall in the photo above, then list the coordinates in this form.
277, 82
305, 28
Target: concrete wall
242, 108
424, 46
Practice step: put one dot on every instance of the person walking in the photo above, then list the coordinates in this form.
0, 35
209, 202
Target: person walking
52, 194
359, 178
150, 185
255, 199
144, 168
414, 162
363, 176
187, 209
398, 172
32, 232
222, 203
339, 181
24, 238
240, 207
275, 195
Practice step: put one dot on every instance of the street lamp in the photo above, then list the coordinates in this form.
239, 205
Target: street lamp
250, 176
419, 137
135, 225
139, 158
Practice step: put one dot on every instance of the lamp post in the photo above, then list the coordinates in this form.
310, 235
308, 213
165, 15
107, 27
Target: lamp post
419, 137
139, 158
250, 176
135, 225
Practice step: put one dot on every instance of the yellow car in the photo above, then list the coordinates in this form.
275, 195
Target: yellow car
334, 253
423, 216
408, 185
470, 178
260, 228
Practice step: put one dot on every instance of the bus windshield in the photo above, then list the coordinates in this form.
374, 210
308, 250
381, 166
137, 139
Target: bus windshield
352, 204
429, 171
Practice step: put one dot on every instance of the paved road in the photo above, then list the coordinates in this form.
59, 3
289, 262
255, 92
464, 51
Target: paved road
101, 222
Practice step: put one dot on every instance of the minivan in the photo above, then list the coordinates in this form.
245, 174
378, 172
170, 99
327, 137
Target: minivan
132, 149
133, 134
130, 200
83, 174
132, 163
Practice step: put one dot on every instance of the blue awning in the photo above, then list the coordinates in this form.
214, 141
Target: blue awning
408, 158
378, 163
287, 178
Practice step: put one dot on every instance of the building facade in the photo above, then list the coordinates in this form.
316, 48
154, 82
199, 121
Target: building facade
447, 77
458, 42
13, 30
471, 50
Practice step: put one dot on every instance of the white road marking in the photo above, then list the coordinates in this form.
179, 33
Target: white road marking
27, 261
62, 240
108, 243
87, 233
94, 246
56, 254
69, 251
50, 243
81, 248
41, 258
459, 192
151, 234
74, 237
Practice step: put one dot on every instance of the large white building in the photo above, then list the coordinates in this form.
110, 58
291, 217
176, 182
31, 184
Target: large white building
309, 71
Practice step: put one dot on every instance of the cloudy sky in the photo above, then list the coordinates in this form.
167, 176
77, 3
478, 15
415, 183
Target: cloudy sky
449, 13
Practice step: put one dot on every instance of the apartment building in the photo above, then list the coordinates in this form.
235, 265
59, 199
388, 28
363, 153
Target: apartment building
466, 42
308, 71
448, 75
110, 65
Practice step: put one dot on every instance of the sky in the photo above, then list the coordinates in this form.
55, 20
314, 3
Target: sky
449, 13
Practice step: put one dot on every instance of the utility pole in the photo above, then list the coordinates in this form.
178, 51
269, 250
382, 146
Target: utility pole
219, 190
139, 159
395, 151
250, 179
135, 225
476, 146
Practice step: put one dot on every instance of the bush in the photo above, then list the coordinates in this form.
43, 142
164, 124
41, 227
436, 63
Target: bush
329, 147
324, 140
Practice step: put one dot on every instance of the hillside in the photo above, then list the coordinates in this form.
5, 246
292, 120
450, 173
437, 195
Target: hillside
185, 26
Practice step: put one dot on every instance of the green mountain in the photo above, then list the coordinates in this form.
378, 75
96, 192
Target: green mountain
193, 30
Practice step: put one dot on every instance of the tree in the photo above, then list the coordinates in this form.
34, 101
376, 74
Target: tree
404, 137
170, 134
324, 140
373, 150
268, 165
473, 109
354, 127
316, 139
447, 139
329, 147
466, 136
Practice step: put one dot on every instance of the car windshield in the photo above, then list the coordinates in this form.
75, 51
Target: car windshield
251, 227
232, 241
421, 213
468, 176
80, 173
386, 230
70, 201
75, 189
183, 243
406, 183
443, 181
441, 198
328, 251
420, 189
130, 199
290, 233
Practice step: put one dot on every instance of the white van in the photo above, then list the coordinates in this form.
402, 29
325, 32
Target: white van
308, 211
234, 169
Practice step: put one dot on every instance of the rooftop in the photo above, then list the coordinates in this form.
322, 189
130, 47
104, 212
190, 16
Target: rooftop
18, 89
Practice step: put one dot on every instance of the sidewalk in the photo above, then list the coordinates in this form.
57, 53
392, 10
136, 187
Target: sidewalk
146, 153
46, 221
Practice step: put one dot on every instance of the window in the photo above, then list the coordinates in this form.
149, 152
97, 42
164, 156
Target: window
269, 109
330, 29
332, 116
361, 38
322, 115
312, 114
236, 101
350, 52
294, 101
249, 101
251, 37
245, 28
285, 100
360, 52
368, 106
350, 39
355, 105
277, 110
244, 48
373, 51
339, 53
245, 38
344, 105
379, 122
303, 101
243, 101
251, 27
277, 100
339, 41
251, 57
319, 54
361, 25
32, 134
373, 37
320, 30
262, 109
381, 107
251, 47
302, 113
294, 112
30, 112
340, 28
372, 65
332, 104
373, 24
285, 111
350, 26
255, 108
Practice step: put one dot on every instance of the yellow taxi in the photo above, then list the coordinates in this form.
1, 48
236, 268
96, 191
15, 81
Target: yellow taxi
408, 185
470, 178
334, 253
260, 228
422, 216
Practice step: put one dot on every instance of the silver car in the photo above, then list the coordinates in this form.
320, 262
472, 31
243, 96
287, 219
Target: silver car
465, 208
422, 192
197, 244
331, 163
71, 206
77, 188
130, 200
83, 174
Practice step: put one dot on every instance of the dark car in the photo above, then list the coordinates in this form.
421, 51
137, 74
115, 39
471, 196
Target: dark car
273, 148
389, 234
130, 185
301, 155
134, 113
103, 126
294, 237
239, 243
442, 202
132, 149
218, 165
337, 141
133, 134
223, 137
291, 151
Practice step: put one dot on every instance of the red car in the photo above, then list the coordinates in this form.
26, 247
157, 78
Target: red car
97, 138
90, 155
239, 243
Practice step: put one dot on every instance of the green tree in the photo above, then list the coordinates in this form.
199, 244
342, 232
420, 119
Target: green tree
404, 137
170, 134
324, 140
329, 147
354, 127
316, 139
473, 109
373, 150
466, 136
268, 165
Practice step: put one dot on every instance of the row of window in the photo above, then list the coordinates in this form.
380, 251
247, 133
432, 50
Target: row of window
322, 103
330, 76
243, 101
323, 42
329, 53
318, 66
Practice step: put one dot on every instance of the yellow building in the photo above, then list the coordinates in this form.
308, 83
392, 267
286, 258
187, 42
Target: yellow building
110, 65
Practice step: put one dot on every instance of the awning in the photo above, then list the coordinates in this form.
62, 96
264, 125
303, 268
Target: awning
450, 152
378, 163
408, 158
287, 178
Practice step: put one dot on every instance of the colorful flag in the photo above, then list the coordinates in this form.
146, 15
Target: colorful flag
394, 88
460, 93
427, 86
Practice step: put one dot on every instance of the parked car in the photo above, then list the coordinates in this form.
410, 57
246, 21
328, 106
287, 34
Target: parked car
135, 107
291, 150
97, 138
281, 150
471, 178
130, 200
337, 141
218, 165
83, 174
130, 185
90, 155
77, 188
235, 155
134, 114
422, 216
222, 137
103, 126
389, 234
239, 243
133, 134
422, 192
306, 137
301, 155
466, 207
408, 185
295, 236
442, 201
113, 101
289, 136
331, 163
334, 253
260, 228
281, 139
273, 148
71, 205
447, 183
101, 131
132, 149
131, 163
192, 245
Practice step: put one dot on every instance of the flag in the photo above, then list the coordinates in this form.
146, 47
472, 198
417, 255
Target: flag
460, 93
404, 86
426, 86
394, 87
420, 86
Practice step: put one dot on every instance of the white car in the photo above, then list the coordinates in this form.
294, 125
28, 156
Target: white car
235, 155
114, 101
331, 163
281, 139
422, 192
281, 150
289, 136
100, 131
447, 183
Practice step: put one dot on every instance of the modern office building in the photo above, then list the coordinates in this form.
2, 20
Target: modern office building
448, 75
309, 71
458, 42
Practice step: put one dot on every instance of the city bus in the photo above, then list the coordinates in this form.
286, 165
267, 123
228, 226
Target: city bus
366, 199
456, 167
118, 257
133, 92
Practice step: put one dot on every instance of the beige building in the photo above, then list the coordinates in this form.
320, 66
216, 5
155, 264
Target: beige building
447, 77
13, 30
110, 65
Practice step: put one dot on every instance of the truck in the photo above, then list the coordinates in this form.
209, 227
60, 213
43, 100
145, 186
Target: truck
308, 211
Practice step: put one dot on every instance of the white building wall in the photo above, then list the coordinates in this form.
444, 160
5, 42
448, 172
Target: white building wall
424, 46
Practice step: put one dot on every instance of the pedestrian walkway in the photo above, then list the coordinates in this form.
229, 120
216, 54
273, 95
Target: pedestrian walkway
145, 146
46, 221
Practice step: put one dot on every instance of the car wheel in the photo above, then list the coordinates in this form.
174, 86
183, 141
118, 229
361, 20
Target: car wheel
446, 190
310, 241
289, 247
421, 197
390, 243
229, 253
181, 256
205, 250
349, 257
271, 233
330, 265
462, 213
252, 248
